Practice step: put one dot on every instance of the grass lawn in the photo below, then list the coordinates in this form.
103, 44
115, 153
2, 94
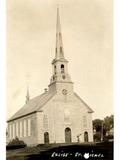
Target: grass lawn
82, 151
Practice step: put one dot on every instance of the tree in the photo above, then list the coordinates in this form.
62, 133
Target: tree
98, 128
102, 126
97, 124
109, 122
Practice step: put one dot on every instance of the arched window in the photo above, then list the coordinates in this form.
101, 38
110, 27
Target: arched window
21, 129
61, 49
55, 69
13, 130
67, 135
85, 136
24, 126
46, 137
17, 129
53, 78
29, 127
10, 131
62, 68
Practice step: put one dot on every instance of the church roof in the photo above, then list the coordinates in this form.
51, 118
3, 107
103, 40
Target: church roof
89, 109
33, 105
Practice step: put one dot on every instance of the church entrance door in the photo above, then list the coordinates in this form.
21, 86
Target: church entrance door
68, 135
46, 137
85, 136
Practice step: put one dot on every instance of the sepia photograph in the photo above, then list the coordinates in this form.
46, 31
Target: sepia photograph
59, 80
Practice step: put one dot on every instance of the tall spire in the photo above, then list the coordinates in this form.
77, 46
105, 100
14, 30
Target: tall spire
27, 95
60, 78
59, 45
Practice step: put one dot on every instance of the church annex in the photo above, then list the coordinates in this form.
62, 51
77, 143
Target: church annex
58, 115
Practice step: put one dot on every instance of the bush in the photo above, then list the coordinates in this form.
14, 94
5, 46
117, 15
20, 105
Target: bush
109, 137
15, 144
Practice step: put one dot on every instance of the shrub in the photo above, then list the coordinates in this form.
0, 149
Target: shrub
109, 137
15, 144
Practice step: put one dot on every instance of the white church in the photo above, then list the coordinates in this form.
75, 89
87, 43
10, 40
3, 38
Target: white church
58, 115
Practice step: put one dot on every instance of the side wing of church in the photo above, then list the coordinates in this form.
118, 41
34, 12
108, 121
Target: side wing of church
59, 115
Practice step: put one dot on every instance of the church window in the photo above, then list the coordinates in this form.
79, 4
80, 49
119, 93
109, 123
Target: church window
29, 127
10, 131
56, 50
84, 121
60, 49
68, 135
63, 76
85, 136
53, 78
24, 125
45, 122
17, 129
46, 137
20, 128
13, 130
62, 68
55, 69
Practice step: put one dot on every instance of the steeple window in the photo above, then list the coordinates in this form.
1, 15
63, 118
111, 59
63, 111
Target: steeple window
53, 78
55, 69
62, 68
60, 49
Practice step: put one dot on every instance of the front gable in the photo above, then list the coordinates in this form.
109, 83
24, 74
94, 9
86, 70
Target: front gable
84, 104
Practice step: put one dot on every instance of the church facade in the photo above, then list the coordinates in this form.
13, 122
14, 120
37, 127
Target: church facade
59, 115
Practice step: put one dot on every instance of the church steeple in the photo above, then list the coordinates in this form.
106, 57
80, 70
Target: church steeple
59, 45
60, 76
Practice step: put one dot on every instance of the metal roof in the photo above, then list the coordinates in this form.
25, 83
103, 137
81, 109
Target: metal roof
33, 105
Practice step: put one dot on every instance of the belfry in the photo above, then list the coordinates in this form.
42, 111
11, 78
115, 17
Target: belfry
58, 115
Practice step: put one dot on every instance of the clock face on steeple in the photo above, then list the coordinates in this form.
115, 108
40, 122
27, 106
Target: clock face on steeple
64, 91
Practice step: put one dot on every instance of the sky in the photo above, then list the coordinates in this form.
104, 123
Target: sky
87, 38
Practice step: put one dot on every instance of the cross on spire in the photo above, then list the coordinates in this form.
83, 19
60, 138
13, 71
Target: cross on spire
59, 45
